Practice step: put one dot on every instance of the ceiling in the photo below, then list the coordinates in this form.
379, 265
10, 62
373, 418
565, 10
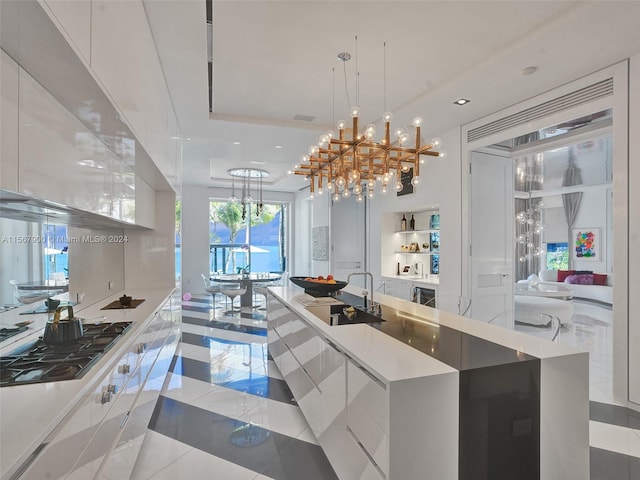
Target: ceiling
273, 60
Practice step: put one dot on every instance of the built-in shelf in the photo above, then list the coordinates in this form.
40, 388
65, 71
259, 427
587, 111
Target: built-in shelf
418, 253
417, 231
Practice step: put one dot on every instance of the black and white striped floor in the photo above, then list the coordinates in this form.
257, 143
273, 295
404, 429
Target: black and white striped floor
226, 413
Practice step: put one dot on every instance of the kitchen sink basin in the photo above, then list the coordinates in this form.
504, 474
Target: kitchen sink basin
348, 315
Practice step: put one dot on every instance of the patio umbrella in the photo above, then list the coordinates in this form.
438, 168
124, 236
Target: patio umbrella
571, 201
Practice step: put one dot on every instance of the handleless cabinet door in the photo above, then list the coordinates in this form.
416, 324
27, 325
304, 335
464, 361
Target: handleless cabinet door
8, 123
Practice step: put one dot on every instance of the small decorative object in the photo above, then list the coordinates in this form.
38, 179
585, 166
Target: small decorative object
125, 300
398, 269
435, 221
403, 223
425, 246
414, 247
412, 223
51, 303
404, 248
186, 297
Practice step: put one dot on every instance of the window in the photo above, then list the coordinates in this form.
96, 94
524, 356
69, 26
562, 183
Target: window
256, 242
558, 256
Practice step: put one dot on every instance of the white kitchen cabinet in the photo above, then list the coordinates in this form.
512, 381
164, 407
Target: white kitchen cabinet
84, 441
397, 287
8, 123
74, 20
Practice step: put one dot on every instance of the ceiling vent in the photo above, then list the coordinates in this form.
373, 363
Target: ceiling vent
304, 118
570, 100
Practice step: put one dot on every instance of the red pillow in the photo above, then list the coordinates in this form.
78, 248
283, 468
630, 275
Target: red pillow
563, 274
599, 279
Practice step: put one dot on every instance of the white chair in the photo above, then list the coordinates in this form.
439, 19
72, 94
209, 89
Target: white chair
233, 290
213, 289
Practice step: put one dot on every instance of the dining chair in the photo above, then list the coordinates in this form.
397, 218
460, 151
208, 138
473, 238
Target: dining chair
212, 288
233, 290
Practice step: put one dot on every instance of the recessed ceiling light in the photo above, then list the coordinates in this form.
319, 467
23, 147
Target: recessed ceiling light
257, 162
188, 138
278, 146
236, 143
529, 70
461, 101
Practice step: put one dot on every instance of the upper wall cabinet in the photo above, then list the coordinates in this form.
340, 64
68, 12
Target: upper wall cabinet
124, 58
8, 123
74, 19
61, 161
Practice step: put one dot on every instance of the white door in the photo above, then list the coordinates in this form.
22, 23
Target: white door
492, 223
348, 240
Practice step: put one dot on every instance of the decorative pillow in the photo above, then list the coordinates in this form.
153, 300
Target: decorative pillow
579, 279
563, 274
599, 279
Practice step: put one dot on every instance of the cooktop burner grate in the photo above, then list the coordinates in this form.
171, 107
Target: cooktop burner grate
39, 362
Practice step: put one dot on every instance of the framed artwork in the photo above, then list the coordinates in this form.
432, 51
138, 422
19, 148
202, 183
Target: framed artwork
586, 244
320, 241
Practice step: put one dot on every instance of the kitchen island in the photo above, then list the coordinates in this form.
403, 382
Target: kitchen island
53, 428
430, 391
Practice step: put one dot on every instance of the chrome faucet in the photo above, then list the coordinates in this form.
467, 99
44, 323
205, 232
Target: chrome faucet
365, 292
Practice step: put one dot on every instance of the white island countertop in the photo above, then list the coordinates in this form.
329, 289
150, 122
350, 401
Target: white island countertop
28, 413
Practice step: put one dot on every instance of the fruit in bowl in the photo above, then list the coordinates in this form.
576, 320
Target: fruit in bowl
321, 279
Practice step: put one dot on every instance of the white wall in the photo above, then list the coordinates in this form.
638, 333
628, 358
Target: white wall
441, 188
301, 228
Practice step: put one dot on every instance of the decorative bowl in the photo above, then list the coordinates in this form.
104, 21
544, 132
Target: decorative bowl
125, 300
317, 289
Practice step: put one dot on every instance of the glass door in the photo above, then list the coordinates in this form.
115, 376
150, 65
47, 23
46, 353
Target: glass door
242, 241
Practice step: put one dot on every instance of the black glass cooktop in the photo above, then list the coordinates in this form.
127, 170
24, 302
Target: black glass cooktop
39, 362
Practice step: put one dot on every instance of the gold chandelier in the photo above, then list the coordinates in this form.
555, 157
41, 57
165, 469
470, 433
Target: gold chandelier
355, 165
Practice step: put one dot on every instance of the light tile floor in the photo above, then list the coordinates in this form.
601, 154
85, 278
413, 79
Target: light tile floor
226, 413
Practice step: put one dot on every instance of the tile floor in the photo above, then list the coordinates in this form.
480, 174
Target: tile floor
226, 413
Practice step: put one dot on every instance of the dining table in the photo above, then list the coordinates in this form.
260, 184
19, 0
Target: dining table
248, 280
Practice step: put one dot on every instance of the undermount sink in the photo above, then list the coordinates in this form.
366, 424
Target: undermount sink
357, 315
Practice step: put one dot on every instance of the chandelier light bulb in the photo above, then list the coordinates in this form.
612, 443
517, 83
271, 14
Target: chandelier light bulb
331, 134
341, 182
398, 132
415, 181
248, 199
435, 142
336, 197
385, 178
355, 175
234, 199
341, 124
355, 111
323, 140
313, 149
346, 193
442, 155
320, 191
370, 193
383, 189
357, 189
289, 172
405, 168
387, 116
359, 198
399, 186
370, 131
417, 122
330, 186
403, 138
371, 184
296, 166
304, 159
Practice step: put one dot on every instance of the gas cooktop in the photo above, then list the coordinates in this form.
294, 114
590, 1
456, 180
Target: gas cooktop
38, 362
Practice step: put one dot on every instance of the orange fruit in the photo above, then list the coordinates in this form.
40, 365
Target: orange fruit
329, 277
